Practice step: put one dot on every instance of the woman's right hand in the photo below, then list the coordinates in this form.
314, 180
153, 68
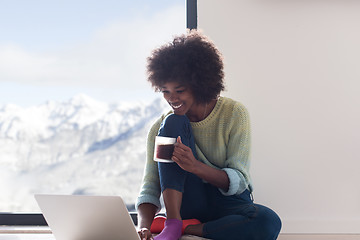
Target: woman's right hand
145, 234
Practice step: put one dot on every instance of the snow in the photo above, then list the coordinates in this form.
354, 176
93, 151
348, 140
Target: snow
81, 146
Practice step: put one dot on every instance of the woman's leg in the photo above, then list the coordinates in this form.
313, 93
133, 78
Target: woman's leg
194, 205
171, 175
172, 178
237, 217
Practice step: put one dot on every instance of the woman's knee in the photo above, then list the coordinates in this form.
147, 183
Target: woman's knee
269, 223
175, 125
174, 121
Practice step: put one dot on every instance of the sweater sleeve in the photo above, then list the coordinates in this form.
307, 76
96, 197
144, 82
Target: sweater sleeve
238, 152
150, 188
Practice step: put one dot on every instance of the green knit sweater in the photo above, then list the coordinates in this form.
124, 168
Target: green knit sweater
222, 141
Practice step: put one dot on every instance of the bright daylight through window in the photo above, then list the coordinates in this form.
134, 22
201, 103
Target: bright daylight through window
75, 106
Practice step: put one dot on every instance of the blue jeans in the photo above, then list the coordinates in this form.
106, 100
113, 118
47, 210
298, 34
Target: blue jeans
225, 217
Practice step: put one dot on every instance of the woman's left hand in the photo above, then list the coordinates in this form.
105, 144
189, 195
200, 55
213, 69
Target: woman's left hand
184, 157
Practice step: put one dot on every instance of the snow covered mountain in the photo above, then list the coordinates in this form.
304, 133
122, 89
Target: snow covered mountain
80, 146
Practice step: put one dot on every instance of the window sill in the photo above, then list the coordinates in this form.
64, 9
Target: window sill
24, 230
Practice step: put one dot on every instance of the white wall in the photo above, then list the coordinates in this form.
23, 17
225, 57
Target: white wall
295, 64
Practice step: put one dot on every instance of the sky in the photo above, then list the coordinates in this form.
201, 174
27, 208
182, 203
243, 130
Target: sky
54, 50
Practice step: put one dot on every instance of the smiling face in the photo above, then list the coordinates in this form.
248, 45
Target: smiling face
179, 97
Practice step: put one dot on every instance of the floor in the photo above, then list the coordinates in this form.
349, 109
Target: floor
281, 237
43, 233
319, 237
300, 237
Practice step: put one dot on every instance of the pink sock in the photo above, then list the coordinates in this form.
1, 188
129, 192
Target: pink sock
171, 231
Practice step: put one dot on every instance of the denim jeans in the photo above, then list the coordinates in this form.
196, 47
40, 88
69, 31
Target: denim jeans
225, 217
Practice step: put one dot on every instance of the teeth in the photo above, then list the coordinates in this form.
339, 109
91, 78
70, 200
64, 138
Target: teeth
178, 106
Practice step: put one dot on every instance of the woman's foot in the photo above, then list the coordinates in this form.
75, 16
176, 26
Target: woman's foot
189, 223
171, 231
196, 230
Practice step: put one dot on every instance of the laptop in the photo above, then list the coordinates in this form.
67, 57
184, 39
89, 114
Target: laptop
78, 217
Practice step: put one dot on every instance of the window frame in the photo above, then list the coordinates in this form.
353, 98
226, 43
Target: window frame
37, 219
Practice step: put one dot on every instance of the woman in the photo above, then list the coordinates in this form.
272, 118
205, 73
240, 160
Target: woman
209, 179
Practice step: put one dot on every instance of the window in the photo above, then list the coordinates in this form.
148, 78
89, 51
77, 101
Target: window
75, 105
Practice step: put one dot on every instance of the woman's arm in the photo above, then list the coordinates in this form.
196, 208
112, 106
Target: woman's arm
146, 214
148, 202
216, 177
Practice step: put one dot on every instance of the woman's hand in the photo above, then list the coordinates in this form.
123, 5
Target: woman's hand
184, 156
145, 234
